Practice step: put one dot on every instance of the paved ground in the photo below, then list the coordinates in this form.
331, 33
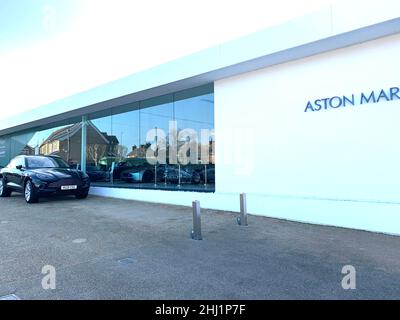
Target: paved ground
270, 259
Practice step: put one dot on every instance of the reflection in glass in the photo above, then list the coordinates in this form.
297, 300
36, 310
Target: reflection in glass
132, 146
197, 115
64, 141
4, 151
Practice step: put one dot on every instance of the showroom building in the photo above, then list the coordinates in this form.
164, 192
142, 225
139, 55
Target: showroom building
303, 117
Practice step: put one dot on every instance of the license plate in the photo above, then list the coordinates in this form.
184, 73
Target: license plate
69, 187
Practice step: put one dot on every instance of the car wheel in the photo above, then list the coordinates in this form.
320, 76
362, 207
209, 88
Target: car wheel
4, 191
30, 193
82, 195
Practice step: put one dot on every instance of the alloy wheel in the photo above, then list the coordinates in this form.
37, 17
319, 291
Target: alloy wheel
28, 191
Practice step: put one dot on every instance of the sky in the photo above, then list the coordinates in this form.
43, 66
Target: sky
51, 49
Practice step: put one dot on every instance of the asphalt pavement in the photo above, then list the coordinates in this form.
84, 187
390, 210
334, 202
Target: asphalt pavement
102, 248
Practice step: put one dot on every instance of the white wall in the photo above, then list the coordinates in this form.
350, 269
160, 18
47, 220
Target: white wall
336, 167
329, 167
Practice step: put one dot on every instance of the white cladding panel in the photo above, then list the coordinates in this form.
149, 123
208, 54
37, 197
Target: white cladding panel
347, 158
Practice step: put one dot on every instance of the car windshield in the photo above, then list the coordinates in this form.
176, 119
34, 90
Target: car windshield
45, 162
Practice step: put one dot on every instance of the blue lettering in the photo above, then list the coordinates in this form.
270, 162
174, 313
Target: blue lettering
318, 104
350, 101
383, 95
370, 99
325, 103
394, 93
309, 106
338, 104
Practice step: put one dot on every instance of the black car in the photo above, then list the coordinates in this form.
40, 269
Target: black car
36, 176
165, 173
95, 174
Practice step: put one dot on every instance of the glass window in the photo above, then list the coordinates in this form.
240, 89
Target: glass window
165, 143
126, 129
130, 151
194, 118
100, 141
4, 151
140, 152
63, 141
45, 162
155, 117
19, 144
101, 147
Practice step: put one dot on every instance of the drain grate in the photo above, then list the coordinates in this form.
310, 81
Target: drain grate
10, 297
126, 261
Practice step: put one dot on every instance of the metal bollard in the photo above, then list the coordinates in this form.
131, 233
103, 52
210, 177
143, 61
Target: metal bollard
242, 220
196, 231
205, 175
179, 176
112, 173
155, 175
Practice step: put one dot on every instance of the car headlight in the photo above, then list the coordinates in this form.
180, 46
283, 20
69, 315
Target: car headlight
45, 177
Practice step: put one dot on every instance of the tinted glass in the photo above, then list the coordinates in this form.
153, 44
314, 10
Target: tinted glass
121, 140
142, 131
45, 162
64, 141
4, 151
125, 127
101, 148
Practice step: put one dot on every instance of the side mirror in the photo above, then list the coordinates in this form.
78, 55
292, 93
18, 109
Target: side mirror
19, 167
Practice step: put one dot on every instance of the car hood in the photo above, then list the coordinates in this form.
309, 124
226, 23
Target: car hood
58, 173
